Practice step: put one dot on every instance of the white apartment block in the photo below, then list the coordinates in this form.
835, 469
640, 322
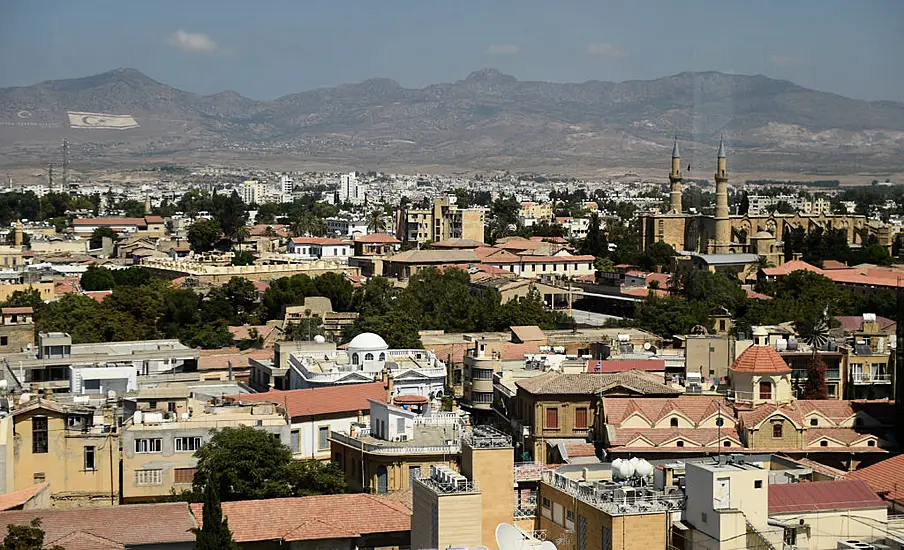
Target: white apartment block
252, 192
350, 190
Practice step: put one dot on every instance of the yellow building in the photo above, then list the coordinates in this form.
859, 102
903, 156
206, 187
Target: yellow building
463, 509
574, 519
539, 211
723, 233
441, 222
45, 290
69, 447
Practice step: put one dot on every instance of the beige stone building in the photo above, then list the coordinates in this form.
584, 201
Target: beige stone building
17, 329
723, 233
72, 448
440, 222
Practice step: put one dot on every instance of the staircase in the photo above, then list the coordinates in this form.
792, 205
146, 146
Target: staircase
752, 529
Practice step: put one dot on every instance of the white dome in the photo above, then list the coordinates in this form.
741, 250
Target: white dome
367, 341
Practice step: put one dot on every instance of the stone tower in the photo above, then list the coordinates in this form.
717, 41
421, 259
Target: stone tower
17, 235
147, 204
675, 180
723, 224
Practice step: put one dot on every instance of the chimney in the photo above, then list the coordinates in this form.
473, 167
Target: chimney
390, 386
360, 417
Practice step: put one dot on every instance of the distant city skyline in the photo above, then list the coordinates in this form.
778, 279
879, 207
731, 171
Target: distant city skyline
208, 46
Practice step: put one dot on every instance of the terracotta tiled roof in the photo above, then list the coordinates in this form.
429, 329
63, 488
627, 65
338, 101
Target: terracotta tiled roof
552, 383
98, 295
885, 478
16, 310
754, 295
695, 407
512, 351
317, 240
822, 496
853, 323
244, 332
834, 473
154, 219
833, 264
129, 525
20, 497
409, 400
752, 419
668, 438
349, 398
609, 366
377, 238
867, 275
643, 292
789, 267
845, 436
575, 450
761, 360
81, 540
312, 518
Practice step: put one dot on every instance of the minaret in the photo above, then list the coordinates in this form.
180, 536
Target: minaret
675, 180
723, 225
17, 235
147, 205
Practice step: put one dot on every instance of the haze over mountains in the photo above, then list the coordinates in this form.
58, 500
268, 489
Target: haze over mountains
488, 120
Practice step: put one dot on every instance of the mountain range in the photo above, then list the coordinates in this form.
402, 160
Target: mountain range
489, 120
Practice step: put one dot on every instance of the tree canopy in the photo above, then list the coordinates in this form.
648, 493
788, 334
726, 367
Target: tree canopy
26, 537
249, 464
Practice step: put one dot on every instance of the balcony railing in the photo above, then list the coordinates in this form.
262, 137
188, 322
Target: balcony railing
398, 449
530, 471
870, 378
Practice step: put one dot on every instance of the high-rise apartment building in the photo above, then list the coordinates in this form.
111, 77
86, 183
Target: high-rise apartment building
252, 192
350, 190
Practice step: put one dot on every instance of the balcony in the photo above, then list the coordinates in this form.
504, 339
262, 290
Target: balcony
530, 471
870, 378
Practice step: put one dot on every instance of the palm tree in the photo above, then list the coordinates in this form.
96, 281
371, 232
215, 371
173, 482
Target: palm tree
241, 234
297, 227
375, 221
269, 232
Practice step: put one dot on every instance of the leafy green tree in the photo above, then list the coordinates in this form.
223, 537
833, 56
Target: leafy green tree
133, 276
132, 208
658, 256
97, 237
180, 309
214, 533
399, 330
26, 537
87, 321
249, 464
230, 212
529, 310
604, 265
305, 329
595, 243
207, 335
203, 235
11, 238
243, 257
667, 316
267, 213
337, 288
97, 278
25, 298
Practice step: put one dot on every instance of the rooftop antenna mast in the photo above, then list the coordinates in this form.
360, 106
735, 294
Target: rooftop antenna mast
65, 164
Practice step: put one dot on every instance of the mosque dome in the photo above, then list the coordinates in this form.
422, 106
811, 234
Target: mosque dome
367, 341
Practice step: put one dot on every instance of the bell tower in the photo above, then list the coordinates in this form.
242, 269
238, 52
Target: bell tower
723, 224
675, 181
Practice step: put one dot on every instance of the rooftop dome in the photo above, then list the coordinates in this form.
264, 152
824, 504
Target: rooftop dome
367, 341
762, 235
760, 360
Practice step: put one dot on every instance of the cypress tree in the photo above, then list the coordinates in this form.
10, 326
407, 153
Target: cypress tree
214, 533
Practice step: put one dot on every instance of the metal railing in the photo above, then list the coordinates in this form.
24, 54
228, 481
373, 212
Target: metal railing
870, 378
531, 471
611, 501
398, 449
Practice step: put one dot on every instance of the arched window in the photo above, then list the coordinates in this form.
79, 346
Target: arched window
354, 359
369, 357
777, 430
720, 422
766, 390
726, 443
382, 356
674, 422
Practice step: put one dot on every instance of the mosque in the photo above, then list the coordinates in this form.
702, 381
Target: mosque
724, 233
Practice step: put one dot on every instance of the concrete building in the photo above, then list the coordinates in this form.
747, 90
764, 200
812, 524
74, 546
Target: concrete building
462, 509
252, 192
50, 364
367, 358
148, 226
396, 447
75, 448
346, 227
441, 222
17, 329
868, 357
319, 248
350, 190
158, 448
314, 413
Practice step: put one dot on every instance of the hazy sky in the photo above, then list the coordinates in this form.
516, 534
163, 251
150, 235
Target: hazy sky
269, 48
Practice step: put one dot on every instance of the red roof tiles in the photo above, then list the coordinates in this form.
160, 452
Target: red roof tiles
377, 238
886, 478
128, 526
312, 518
348, 398
22, 496
760, 360
649, 365
822, 496
16, 310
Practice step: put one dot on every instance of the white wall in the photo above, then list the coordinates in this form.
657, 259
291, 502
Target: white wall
829, 527
308, 432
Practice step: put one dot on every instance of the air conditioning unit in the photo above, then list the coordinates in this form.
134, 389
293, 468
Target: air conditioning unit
403, 437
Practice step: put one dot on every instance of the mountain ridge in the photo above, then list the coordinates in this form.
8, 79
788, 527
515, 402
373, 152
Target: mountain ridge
488, 119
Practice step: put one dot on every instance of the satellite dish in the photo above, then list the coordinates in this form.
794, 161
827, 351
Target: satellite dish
319, 339
508, 537
547, 545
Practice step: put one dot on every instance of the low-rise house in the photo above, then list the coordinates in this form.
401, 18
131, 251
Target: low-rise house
72, 447
396, 447
376, 244
319, 248
323, 521
150, 226
158, 448
558, 408
314, 413
166, 526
